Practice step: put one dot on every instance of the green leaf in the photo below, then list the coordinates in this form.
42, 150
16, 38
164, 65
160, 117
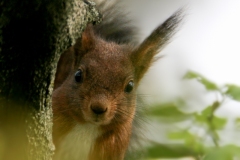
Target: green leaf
218, 154
209, 85
237, 123
200, 119
219, 123
223, 153
203, 117
207, 116
191, 75
233, 149
207, 112
233, 91
178, 135
190, 140
167, 111
169, 151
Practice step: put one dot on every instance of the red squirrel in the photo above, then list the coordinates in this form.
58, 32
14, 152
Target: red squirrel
94, 97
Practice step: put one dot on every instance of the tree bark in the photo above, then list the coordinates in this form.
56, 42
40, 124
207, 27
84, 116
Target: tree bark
33, 34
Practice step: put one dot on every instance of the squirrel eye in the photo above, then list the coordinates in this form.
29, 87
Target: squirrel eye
79, 76
129, 87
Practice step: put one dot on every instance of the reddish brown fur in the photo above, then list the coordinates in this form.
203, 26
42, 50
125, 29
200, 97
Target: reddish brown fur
107, 69
113, 143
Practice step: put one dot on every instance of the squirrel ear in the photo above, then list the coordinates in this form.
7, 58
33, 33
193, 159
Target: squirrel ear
143, 56
86, 42
65, 64
69, 59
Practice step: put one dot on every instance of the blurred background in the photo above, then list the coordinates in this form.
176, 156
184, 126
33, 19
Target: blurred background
207, 43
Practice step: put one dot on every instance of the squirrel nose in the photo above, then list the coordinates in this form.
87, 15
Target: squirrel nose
98, 109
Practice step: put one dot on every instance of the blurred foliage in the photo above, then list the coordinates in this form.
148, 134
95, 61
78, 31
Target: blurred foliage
233, 91
208, 84
184, 142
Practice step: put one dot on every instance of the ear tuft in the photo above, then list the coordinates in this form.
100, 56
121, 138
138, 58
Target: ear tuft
87, 40
143, 56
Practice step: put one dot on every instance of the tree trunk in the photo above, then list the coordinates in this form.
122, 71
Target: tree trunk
33, 34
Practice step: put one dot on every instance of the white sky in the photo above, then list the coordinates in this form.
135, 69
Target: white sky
208, 42
212, 34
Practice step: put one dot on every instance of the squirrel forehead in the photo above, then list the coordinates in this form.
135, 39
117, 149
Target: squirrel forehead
110, 56
108, 64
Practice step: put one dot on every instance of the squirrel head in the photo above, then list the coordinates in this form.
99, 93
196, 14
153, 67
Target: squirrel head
96, 80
